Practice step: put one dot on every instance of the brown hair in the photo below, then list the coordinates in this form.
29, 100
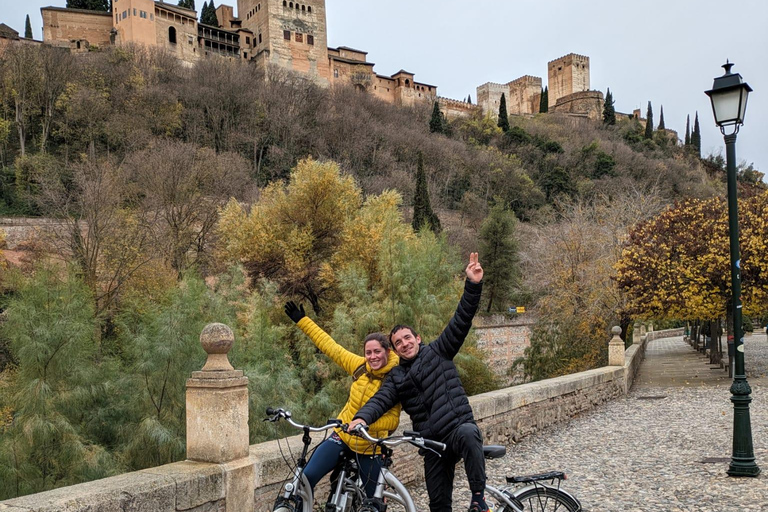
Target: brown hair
400, 327
378, 336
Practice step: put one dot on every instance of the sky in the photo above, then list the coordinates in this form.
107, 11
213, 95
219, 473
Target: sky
664, 51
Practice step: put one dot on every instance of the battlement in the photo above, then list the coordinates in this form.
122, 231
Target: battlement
572, 57
526, 79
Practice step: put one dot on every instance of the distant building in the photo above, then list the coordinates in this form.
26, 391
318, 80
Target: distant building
286, 34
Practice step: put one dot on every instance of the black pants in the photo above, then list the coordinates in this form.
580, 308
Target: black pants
465, 442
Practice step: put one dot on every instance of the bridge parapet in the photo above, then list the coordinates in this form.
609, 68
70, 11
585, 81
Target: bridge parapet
251, 482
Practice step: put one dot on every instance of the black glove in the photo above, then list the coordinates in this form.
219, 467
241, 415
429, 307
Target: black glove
295, 313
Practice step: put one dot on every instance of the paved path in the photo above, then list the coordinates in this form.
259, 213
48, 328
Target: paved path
664, 447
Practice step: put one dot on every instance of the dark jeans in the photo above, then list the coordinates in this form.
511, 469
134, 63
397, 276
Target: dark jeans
465, 442
328, 455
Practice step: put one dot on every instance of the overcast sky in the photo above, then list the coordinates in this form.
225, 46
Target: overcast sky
663, 51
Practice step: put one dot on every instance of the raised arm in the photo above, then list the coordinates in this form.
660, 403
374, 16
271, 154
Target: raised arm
349, 361
452, 338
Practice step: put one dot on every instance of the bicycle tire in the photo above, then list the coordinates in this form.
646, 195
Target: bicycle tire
541, 498
396, 495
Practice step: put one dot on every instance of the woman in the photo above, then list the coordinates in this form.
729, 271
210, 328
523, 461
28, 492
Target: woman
368, 372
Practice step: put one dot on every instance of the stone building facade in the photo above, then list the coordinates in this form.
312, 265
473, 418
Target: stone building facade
522, 96
274, 34
567, 75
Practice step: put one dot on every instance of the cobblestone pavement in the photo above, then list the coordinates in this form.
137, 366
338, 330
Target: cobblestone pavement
664, 447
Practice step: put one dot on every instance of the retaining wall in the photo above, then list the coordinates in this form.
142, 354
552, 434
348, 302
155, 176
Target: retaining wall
504, 416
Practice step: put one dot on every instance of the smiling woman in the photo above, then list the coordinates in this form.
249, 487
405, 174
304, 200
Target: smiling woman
368, 373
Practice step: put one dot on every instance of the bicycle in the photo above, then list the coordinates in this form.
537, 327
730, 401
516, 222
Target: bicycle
348, 494
542, 494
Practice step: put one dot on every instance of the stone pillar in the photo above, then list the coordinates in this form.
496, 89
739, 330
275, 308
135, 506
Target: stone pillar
636, 335
616, 348
217, 417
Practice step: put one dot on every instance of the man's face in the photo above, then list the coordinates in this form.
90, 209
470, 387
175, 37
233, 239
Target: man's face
405, 343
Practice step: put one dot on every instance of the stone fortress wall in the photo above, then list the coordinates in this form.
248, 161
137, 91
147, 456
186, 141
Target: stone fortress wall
283, 34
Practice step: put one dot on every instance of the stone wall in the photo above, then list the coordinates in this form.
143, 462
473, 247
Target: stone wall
567, 75
455, 108
587, 103
505, 416
66, 27
503, 340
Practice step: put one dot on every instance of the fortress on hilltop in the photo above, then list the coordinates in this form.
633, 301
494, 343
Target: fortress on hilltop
283, 34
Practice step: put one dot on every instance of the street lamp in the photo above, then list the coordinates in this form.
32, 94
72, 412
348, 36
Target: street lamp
729, 103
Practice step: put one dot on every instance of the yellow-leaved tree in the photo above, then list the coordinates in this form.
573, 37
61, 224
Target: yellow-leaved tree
293, 233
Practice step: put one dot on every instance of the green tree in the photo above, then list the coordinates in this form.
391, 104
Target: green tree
187, 4
498, 252
696, 136
688, 130
28, 28
51, 324
503, 118
436, 121
649, 122
544, 102
469, 99
208, 15
609, 112
91, 5
423, 215
661, 119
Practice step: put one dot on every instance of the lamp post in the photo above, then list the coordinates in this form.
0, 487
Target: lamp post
729, 103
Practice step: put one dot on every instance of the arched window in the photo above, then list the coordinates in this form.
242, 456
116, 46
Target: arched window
297, 6
285, 3
407, 82
290, 5
303, 8
309, 8
172, 35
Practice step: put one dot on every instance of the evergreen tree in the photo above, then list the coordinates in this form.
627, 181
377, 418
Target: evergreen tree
544, 103
90, 5
696, 136
187, 4
436, 122
208, 15
649, 122
28, 29
498, 252
469, 99
661, 118
503, 119
422, 210
609, 112
688, 130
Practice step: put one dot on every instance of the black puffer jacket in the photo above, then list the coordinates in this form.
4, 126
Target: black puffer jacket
428, 386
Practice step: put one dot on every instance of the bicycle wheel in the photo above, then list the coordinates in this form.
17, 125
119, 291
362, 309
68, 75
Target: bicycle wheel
545, 499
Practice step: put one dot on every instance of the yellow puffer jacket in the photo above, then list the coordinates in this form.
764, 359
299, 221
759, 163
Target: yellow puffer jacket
362, 389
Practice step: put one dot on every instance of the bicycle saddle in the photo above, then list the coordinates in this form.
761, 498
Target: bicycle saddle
494, 451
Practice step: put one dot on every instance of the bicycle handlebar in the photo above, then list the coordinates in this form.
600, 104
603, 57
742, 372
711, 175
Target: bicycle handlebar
413, 438
276, 414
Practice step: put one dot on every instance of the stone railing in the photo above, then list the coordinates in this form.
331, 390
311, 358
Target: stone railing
223, 473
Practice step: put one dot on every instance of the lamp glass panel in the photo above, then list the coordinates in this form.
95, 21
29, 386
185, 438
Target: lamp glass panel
744, 96
726, 106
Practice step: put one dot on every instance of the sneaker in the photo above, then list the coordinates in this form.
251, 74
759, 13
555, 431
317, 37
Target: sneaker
478, 507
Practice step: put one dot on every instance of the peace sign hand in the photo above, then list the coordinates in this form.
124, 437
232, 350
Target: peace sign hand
474, 270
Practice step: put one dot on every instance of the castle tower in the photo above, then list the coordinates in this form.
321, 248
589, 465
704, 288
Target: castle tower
289, 34
567, 75
134, 21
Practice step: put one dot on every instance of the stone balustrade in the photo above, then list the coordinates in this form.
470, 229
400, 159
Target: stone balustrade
230, 476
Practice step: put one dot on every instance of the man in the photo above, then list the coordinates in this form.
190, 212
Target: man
427, 384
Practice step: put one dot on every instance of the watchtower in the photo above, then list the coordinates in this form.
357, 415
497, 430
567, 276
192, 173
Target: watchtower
134, 21
289, 34
567, 75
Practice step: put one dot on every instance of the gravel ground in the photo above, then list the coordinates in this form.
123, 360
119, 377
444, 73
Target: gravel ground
658, 449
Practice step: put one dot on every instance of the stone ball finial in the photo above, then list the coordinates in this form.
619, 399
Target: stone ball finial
217, 340
616, 330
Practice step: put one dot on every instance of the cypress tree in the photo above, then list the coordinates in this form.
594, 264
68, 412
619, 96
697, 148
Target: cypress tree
544, 103
28, 29
498, 251
661, 118
688, 130
609, 112
696, 136
469, 99
422, 210
649, 122
503, 119
90, 5
436, 121
208, 15
187, 4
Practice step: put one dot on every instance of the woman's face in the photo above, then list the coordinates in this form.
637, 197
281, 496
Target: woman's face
376, 355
